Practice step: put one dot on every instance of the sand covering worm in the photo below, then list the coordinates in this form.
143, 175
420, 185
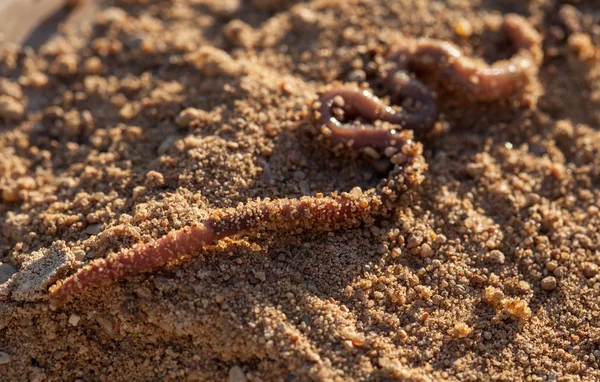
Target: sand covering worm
345, 116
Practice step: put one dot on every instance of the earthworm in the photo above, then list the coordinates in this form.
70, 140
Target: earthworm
349, 103
472, 78
320, 213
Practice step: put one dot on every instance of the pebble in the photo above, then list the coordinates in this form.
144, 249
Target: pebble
236, 374
551, 266
10, 108
357, 75
187, 116
463, 28
74, 319
460, 330
4, 358
414, 239
382, 249
302, 18
398, 159
497, 257
65, 65
426, 250
93, 229
589, 270
6, 272
549, 283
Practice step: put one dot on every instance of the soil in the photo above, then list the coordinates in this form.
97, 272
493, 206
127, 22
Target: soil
122, 131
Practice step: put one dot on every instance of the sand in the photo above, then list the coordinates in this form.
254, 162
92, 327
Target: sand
138, 124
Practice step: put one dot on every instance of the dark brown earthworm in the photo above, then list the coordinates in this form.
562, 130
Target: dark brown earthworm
472, 78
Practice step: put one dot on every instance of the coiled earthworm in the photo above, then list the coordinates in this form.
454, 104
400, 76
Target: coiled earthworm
349, 103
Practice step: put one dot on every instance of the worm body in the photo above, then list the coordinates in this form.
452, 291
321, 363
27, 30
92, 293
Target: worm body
471, 78
352, 103
310, 213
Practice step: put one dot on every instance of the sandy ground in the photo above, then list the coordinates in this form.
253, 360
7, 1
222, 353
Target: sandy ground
163, 109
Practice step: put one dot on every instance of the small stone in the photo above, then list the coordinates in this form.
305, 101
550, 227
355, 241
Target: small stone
516, 307
582, 45
358, 339
551, 266
10, 108
260, 276
339, 101
191, 116
493, 295
487, 335
549, 283
6, 272
558, 171
382, 249
37, 80
93, 229
233, 145
414, 239
371, 153
93, 65
74, 319
4, 358
54, 112
390, 151
236, 374
460, 330
129, 111
166, 144
398, 159
302, 18
589, 270
213, 62
426, 250
240, 33
154, 179
11, 89
463, 28
356, 192
440, 239
108, 325
497, 257
65, 65
357, 75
